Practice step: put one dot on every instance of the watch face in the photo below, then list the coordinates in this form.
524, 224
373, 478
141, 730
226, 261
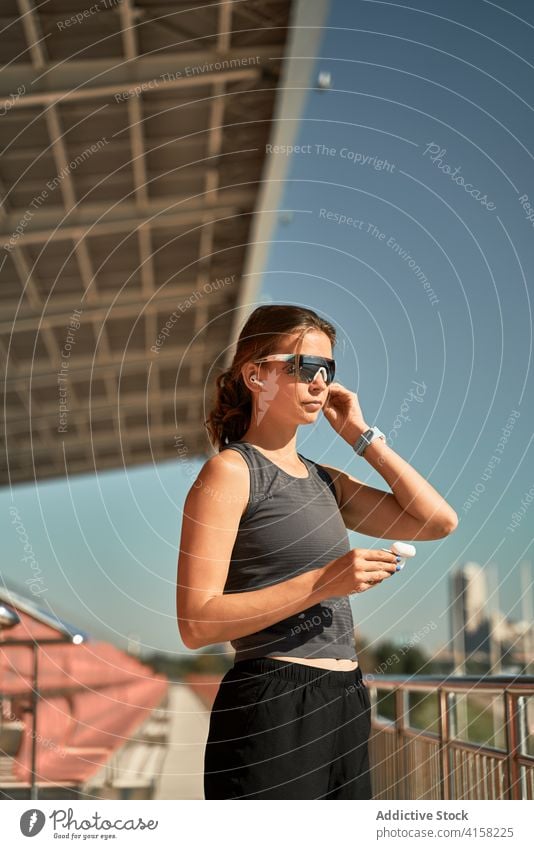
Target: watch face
367, 437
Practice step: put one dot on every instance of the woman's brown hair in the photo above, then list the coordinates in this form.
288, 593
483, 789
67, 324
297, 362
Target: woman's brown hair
263, 331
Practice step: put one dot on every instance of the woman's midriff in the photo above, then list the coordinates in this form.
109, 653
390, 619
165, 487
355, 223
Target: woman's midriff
342, 664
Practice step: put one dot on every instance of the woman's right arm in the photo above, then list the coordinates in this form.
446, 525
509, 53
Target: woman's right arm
212, 512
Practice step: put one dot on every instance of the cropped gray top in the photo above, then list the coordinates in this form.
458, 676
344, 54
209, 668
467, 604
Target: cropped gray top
291, 525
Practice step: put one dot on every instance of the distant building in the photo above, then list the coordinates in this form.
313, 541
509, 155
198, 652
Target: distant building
470, 632
484, 638
512, 641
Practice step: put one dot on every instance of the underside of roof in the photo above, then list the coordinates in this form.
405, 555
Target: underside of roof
133, 138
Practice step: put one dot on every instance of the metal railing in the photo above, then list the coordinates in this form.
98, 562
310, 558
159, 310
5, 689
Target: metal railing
435, 737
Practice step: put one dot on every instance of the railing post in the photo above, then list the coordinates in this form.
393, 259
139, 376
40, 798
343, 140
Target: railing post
399, 726
34, 790
512, 745
444, 741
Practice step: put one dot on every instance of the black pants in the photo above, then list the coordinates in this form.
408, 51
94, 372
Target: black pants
284, 730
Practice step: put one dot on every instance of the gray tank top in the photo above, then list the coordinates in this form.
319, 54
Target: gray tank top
291, 525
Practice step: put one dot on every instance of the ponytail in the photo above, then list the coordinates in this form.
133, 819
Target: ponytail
230, 417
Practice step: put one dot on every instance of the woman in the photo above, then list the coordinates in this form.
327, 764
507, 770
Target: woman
265, 562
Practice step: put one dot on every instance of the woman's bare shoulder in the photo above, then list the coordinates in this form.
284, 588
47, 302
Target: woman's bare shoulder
224, 477
226, 461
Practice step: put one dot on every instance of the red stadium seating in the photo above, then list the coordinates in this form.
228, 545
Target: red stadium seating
92, 698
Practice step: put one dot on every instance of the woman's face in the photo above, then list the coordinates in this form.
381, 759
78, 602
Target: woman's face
284, 395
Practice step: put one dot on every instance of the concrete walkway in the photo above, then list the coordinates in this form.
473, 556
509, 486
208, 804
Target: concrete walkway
182, 772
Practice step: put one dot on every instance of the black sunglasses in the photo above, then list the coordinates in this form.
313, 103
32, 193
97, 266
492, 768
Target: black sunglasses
307, 367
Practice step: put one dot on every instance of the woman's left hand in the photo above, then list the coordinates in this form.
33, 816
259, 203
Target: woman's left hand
342, 410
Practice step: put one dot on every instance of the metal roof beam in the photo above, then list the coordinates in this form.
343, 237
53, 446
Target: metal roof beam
67, 81
59, 308
101, 220
32, 33
98, 407
62, 96
91, 368
139, 166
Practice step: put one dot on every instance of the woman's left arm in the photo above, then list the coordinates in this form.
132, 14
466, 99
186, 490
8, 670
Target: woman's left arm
413, 510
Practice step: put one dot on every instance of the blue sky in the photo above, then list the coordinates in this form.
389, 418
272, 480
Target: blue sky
422, 141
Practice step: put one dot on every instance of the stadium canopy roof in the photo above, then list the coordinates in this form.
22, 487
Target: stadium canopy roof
137, 206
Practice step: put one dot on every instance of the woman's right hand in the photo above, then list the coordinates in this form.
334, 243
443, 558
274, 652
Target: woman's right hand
358, 570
